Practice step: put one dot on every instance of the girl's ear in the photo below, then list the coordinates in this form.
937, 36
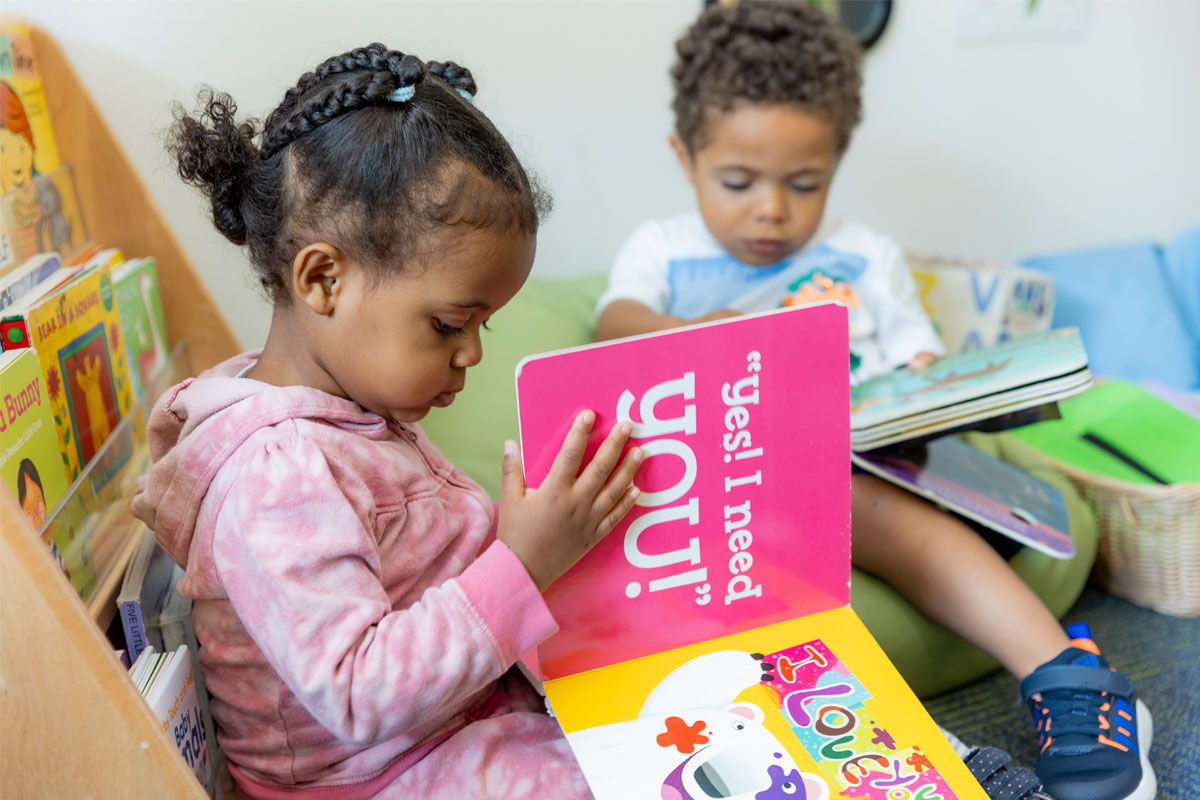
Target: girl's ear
685, 157
318, 273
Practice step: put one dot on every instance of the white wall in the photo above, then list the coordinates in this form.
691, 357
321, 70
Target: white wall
997, 149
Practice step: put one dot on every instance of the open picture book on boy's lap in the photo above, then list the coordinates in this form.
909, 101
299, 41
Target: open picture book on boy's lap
967, 388
898, 423
707, 648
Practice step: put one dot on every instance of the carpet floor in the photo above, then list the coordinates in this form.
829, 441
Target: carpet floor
1160, 653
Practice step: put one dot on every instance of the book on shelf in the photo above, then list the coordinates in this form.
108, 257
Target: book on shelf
144, 591
77, 334
707, 645
140, 307
155, 615
14, 324
14, 317
94, 521
29, 459
174, 623
26, 139
168, 682
46, 268
43, 216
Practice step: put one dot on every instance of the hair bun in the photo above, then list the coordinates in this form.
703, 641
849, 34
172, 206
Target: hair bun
214, 152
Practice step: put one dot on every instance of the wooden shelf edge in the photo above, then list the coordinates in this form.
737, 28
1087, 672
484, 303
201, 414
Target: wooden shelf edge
73, 720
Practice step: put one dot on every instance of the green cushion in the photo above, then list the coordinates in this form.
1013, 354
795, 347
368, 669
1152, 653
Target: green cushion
550, 314
547, 314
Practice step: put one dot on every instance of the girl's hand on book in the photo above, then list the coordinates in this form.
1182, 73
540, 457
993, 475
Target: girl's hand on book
553, 526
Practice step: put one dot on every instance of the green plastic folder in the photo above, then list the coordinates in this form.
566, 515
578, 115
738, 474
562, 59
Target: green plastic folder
1122, 431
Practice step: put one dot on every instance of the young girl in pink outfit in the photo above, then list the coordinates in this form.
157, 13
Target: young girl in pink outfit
358, 600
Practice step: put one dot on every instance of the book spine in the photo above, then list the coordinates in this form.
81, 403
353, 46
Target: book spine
135, 628
24, 284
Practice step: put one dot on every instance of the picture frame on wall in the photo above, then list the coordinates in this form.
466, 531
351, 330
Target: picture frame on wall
865, 19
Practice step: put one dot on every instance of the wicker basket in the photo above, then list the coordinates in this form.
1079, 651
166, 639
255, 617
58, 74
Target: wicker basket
1149, 549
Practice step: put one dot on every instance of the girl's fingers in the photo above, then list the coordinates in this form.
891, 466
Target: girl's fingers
602, 464
616, 490
617, 513
566, 463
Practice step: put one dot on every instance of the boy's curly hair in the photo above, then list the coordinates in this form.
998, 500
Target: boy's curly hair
766, 52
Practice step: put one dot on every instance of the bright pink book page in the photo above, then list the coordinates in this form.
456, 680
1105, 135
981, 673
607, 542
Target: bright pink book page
744, 517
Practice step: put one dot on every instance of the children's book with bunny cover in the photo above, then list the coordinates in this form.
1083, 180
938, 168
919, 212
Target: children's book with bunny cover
706, 646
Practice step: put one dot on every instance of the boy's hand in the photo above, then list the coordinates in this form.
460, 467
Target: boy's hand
724, 313
921, 360
553, 526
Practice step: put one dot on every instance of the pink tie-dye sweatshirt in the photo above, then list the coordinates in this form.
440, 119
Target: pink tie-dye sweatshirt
357, 619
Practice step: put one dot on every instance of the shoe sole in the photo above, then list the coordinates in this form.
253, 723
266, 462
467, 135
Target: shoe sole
1147, 788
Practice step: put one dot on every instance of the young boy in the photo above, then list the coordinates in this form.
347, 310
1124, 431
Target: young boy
766, 98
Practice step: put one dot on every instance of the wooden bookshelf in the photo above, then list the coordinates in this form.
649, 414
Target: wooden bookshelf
72, 724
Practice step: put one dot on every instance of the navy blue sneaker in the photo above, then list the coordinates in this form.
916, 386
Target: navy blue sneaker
1000, 779
1093, 731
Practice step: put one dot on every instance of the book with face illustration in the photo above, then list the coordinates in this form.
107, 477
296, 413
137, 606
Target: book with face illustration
706, 646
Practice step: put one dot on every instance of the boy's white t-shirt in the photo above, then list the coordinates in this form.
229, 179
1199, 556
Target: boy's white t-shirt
675, 266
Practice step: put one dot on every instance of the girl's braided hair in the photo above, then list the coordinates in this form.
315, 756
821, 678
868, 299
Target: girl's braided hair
760, 51
341, 161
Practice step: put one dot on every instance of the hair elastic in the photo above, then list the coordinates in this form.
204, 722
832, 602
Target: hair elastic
405, 93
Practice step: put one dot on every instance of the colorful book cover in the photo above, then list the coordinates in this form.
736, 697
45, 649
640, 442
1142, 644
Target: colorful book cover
806, 709
142, 321
1017, 374
77, 335
26, 140
29, 459
42, 216
707, 647
972, 483
27, 147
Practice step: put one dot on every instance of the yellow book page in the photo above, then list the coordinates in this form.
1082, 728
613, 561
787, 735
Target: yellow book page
806, 709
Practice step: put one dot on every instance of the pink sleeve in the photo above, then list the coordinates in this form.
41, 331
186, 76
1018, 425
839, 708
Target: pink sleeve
302, 571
